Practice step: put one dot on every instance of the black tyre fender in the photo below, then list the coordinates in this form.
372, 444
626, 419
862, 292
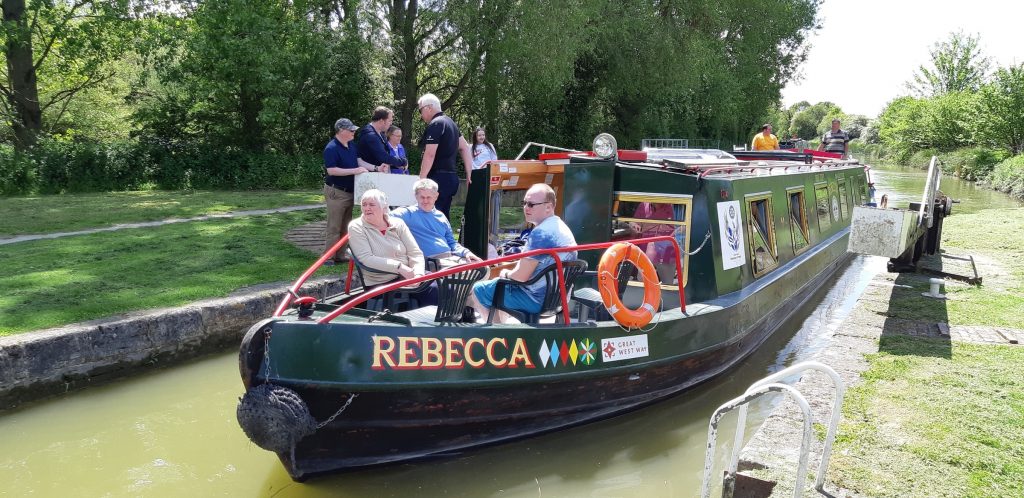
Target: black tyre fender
251, 352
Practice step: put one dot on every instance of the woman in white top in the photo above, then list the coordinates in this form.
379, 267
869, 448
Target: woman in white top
483, 150
384, 243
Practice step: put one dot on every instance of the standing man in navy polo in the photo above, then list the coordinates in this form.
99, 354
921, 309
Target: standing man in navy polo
373, 147
341, 162
442, 142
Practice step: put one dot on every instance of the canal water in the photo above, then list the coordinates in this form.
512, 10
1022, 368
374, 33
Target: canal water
173, 433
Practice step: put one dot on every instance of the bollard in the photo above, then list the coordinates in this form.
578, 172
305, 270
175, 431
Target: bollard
933, 290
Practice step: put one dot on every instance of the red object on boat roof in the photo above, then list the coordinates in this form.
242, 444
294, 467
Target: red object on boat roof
822, 154
624, 155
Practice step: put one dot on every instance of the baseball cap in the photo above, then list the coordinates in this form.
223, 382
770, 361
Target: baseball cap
344, 124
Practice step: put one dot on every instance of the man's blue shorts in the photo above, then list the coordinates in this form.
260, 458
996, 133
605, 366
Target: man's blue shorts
515, 297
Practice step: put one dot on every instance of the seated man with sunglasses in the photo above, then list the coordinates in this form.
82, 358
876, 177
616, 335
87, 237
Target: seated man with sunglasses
550, 232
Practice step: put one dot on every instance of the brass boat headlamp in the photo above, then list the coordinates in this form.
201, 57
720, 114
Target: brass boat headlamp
605, 147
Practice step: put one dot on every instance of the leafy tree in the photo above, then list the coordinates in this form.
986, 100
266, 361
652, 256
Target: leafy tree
908, 124
806, 123
255, 75
870, 133
898, 126
1001, 110
55, 50
957, 65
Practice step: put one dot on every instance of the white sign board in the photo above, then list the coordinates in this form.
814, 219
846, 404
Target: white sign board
398, 188
730, 229
624, 348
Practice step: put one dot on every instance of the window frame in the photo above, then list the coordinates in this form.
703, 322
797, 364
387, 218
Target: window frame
827, 225
804, 227
683, 200
771, 241
844, 200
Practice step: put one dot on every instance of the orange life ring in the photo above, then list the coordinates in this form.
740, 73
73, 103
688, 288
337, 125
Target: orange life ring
607, 284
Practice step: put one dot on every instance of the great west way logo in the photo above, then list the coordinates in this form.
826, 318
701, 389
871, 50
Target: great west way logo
432, 353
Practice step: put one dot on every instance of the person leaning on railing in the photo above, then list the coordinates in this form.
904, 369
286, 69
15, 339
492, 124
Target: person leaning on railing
384, 243
550, 233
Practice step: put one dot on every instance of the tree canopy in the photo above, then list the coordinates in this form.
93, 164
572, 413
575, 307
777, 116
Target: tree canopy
271, 76
957, 65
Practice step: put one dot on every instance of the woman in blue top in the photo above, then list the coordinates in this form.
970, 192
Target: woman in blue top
483, 150
394, 135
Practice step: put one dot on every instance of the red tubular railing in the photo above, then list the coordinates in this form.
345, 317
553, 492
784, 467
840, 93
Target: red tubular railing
469, 266
294, 289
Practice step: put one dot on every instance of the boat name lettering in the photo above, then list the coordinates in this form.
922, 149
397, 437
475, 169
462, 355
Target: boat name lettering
432, 353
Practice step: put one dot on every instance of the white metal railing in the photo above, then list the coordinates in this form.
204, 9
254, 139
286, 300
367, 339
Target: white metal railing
931, 187
664, 143
758, 389
543, 148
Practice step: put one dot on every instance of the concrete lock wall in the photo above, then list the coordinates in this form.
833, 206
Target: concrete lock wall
37, 364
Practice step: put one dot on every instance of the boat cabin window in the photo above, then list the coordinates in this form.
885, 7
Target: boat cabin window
510, 180
798, 220
507, 221
632, 218
821, 204
761, 233
844, 199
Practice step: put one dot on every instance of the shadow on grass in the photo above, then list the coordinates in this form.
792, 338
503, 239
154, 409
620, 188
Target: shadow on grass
55, 282
911, 314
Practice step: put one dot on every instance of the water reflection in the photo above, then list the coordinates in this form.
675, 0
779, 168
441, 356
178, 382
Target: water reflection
173, 432
904, 185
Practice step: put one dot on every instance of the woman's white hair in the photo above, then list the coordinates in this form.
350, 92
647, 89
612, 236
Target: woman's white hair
424, 184
430, 100
377, 195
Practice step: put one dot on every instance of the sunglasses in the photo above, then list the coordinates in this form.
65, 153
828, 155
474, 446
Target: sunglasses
532, 204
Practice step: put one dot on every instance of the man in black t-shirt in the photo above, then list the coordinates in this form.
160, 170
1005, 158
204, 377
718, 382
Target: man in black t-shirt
442, 142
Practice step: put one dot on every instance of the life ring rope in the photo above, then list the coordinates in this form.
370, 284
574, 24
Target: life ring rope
607, 283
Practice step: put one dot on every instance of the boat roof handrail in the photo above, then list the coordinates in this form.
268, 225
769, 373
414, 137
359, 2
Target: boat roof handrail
655, 153
752, 167
543, 149
553, 252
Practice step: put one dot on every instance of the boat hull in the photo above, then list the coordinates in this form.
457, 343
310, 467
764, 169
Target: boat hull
413, 405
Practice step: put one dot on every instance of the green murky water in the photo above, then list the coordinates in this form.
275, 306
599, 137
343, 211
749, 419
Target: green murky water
173, 432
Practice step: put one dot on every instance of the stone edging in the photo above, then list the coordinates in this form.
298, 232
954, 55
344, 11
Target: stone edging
46, 362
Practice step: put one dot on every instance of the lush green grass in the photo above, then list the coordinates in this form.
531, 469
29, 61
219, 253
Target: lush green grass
48, 283
939, 419
62, 213
997, 235
924, 425
991, 235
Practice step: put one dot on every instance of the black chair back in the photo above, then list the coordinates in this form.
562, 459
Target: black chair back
552, 297
552, 301
452, 292
395, 300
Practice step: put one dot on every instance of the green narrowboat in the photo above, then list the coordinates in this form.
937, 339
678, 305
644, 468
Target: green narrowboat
737, 247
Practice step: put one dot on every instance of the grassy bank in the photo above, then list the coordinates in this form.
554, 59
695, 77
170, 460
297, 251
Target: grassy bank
933, 418
48, 283
924, 425
62, 213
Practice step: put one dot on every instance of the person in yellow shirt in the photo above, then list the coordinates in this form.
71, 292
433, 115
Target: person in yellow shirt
765, 140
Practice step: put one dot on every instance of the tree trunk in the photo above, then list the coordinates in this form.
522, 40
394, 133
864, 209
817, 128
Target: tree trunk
491, 95
403, 19
21, 73
250, 106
